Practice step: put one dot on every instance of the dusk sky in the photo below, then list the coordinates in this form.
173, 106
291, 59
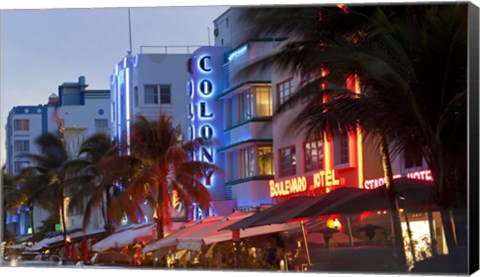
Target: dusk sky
41, 49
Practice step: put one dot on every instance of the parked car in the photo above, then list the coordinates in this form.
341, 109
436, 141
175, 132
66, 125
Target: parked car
39, 260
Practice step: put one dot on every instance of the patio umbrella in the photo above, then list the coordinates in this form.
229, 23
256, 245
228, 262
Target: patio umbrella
416, 194
369, 230
278, 213
172, 239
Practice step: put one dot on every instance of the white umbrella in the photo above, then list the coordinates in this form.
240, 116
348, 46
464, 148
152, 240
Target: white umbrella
125, 237
195, 240
226, 235
171, 240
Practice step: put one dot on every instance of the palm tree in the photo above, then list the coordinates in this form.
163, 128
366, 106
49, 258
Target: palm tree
48, 173
165, 168
411, 64
12, 196
94, 176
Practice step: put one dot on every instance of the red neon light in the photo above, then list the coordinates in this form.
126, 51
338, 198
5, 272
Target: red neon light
297, 185
425, 175
287, 187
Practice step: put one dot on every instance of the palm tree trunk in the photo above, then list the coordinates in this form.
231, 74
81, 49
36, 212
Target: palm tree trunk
31, 218
64, 227
106, 215
443, 201
160, 233
397, 228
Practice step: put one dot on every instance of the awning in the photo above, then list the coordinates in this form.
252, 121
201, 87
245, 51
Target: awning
76, 236
56, 239
125, 236
279, 213
227, 235
411, 194
415, 194
171, 240
195, 240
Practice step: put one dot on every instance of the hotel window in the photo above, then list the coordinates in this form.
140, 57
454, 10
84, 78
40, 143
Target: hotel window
341, 150
288, 162
101, 123
263, 97
21, 125
256, 101
306, 78
313, 155
246, 105
135, 96
247, 162
151, 94
412, 159
228, 112
265, 160
285, 91
165, 94
21, 146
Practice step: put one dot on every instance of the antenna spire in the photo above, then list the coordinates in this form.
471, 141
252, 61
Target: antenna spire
129, 32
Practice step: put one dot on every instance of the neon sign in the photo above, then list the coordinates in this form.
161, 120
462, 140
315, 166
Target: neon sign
325, 179
287, 187
238, 52
297, 185
203, 110
425, 175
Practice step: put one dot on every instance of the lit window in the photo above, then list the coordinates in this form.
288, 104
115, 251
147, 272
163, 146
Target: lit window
255, 102
21, 146
151, 94
247, 162
101, 123
285, 91
288, 162
265, 160
263, 97
313, 155
165, 94
21, 125
340, 150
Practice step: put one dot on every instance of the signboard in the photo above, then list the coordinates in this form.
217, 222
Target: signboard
205, 112
58, 227
322, 179
425, 175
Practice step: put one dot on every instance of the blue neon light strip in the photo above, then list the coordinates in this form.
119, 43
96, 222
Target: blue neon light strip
238, 52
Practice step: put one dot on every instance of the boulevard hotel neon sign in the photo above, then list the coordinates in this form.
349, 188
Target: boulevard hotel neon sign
298, 185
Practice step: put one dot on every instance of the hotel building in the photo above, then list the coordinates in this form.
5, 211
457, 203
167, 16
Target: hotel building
264, 161
74, 114
148, 84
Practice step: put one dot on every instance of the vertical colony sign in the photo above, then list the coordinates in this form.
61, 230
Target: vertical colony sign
204, 111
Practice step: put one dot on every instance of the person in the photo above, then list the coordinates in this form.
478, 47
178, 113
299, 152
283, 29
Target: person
136, 259
299, 259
